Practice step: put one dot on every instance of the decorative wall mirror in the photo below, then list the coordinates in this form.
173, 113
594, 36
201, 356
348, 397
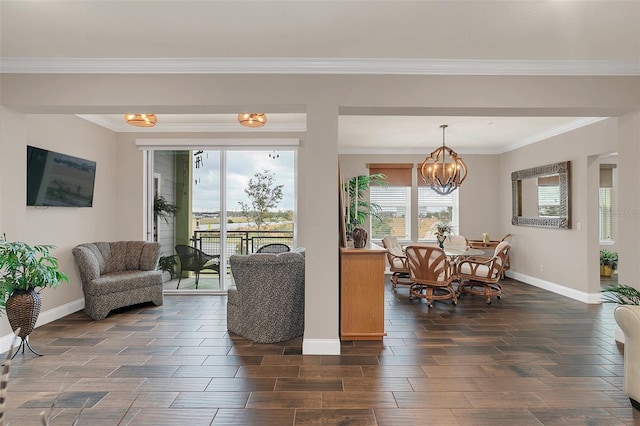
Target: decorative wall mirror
541, 196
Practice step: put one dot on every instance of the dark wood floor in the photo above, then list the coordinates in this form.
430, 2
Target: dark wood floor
531, 358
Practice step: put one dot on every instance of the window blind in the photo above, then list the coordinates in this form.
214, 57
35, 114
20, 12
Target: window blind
398, 174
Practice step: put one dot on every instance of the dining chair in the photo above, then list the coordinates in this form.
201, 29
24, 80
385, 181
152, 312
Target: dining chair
456, 241
397, 261
195, 260
484, 273
507, 263
274, 248
431, 274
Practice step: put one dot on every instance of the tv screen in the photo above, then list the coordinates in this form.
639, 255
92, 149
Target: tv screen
60, 180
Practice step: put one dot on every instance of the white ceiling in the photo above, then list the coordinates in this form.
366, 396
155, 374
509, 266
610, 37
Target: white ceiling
545, 37
443, 29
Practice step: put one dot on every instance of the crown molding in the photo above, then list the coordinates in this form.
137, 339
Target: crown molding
367, 66
554, 131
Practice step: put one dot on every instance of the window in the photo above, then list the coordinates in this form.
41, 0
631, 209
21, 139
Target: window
394, 201
606, 220
432, 208
209, 186
395, 205
605, 204
408, 210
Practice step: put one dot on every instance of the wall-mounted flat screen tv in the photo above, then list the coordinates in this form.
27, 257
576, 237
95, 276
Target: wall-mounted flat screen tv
59, 180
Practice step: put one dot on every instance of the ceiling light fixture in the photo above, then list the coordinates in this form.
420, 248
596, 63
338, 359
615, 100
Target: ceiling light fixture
443, 170
252, 119
141, 120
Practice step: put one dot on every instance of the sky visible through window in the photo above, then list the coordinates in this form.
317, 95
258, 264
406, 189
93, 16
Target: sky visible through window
241, 166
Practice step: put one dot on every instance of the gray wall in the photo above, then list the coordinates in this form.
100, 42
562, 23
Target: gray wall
323, 98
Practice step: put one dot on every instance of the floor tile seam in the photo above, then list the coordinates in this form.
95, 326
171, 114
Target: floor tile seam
612, 413
610, 352
457, 413
540, 400
508, 353
482, 381
574, 406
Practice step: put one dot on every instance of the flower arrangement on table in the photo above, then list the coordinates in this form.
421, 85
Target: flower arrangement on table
441, 230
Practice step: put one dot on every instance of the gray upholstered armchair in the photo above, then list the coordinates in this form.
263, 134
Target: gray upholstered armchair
118, 274
267, 303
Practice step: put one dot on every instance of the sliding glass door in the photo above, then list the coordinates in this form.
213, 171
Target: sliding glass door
227, 202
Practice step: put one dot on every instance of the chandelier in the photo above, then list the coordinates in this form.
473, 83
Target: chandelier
141, 120
252, 119
443, 170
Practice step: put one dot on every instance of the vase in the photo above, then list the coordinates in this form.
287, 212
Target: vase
23, 308
359, 236
441, 239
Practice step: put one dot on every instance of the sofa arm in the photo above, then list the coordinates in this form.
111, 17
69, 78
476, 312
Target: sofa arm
87, 264
628, 318
150, 256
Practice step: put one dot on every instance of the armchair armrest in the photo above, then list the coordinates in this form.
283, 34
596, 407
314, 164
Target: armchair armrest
150, 256
476, 266
87, 264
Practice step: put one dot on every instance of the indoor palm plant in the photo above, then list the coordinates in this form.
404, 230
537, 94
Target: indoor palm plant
163, 208
23, 269
358, 210
621, 294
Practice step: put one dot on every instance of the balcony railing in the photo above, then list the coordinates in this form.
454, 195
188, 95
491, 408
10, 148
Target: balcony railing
239, 242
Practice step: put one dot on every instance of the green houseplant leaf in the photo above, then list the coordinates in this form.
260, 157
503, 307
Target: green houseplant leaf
25, 267
621, 294
358, 209
609, 258
163, 208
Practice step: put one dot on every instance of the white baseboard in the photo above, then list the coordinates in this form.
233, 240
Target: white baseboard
591, 298
59, 312
44, 318
320, 346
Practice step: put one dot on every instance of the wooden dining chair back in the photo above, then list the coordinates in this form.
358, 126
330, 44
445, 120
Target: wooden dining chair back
507, 263
456, 244
456, 241
484, 273
397, 261
431, 274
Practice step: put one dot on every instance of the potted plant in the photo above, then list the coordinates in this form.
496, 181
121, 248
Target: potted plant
168, 264
161, 209
441, 230
23, 269
608, 262
621, 294
358, 209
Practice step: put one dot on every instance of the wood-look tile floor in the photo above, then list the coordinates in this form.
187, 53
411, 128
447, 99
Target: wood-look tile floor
531, 358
